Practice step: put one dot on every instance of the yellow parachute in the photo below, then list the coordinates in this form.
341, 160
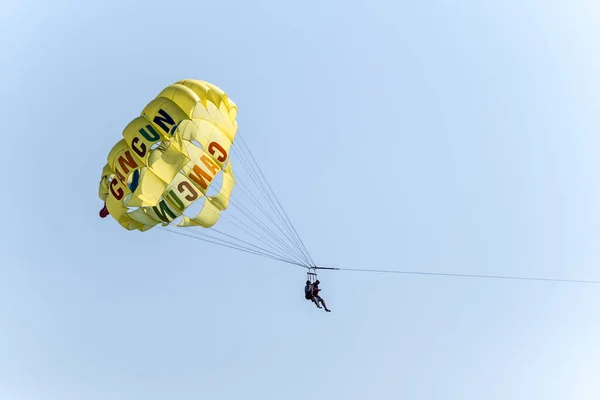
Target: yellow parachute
169, 157
160, 173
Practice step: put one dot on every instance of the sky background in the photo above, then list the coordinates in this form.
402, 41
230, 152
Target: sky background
457, 137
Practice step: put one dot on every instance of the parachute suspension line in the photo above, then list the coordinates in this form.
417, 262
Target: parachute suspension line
225, 243
244, 189
278, 251
247, 148
211, 239
283, 245
262, 183
260, 251
275, 253
255, 235
257, 183
279, 241
252, 167
275, 248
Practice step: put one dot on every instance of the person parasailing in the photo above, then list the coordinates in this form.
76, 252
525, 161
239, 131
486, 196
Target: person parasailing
311, 290
317, 297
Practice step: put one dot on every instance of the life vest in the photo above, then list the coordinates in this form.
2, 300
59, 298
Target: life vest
308, 292
315, 289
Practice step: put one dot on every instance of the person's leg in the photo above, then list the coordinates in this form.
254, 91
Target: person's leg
314, 300
320, 300
324, 305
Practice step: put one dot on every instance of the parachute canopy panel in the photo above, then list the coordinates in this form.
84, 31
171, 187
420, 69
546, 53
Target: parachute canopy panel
168, 158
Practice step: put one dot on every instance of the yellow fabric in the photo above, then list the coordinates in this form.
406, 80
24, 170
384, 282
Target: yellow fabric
210, 213
176, 148
163, 212
221, 199
149, 190
170, 162
206, 218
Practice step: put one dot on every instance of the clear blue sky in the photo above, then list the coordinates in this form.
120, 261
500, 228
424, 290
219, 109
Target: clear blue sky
422, 135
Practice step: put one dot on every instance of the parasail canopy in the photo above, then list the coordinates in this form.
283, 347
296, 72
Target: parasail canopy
173, 168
